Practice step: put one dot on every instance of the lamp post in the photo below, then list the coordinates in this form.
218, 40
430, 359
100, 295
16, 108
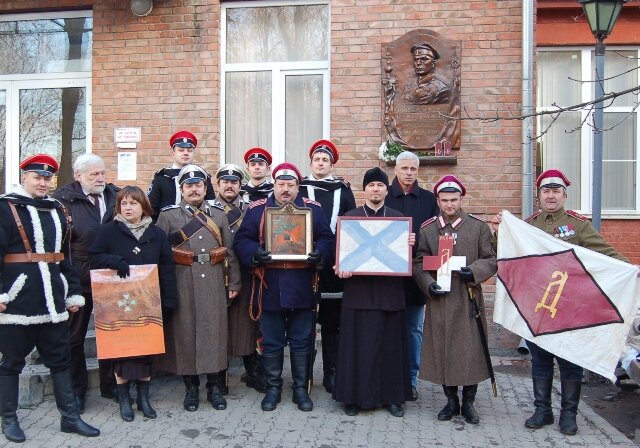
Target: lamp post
602, 16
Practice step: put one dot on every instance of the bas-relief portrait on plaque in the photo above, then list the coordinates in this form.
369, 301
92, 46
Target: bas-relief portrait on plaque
421, 92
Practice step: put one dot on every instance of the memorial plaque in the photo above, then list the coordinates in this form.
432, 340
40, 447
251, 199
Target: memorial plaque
421, 92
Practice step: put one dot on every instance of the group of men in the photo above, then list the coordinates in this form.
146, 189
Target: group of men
236, 300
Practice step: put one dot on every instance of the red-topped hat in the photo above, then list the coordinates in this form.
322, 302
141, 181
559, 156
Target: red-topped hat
327, 147
183, 139
552, 179
43, 164
286, 171
449, 184
257, 154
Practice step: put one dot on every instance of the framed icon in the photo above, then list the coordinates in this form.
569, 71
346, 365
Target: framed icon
288, 232
374, 246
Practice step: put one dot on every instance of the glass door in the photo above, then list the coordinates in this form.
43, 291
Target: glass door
50, 117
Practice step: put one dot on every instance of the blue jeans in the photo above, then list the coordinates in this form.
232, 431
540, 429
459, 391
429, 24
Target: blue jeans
542, 365
415, 323
280, 328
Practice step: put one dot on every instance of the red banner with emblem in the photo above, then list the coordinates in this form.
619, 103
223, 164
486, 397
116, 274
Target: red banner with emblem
571, 301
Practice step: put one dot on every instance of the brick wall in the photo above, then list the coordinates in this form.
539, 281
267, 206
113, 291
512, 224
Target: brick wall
161, 73
624, 235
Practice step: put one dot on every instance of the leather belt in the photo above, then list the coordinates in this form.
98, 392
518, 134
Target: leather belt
30, 257
287, 264
202, 258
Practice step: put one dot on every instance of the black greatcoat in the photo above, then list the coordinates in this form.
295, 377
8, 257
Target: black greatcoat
420, 205
373, 359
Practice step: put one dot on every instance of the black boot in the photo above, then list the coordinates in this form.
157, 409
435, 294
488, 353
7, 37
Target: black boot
142, 399
272, 371
543, 414
66, 402
329, 355
467, 410
124, 399
570, 390
214, 392
253, 375
192, 396
222, 384
300, 374
453, 403
8, 407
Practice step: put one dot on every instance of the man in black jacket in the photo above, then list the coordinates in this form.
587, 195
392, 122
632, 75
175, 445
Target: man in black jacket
164, 189
408, 198
336, 198
90, 201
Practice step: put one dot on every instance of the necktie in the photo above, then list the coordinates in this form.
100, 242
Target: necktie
96, 203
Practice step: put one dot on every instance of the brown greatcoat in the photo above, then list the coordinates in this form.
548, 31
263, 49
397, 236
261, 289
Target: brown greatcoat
243, 332
196, 334
452, 352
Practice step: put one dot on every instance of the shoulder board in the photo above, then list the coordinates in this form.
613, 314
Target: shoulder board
475, 217
169, 207
256, 203
161, 171
576, 215
533, 216
343, 181
311, 201
212, 203
428, 221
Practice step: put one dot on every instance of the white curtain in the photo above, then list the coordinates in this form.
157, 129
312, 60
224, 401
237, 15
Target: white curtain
303, 117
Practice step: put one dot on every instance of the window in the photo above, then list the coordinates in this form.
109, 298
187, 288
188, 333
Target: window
45, 90
568, 144
275, 79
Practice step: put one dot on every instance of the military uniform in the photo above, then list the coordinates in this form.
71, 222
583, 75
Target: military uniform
37, 285
196, 334
284, 295
452, 349
573, 228
576, 229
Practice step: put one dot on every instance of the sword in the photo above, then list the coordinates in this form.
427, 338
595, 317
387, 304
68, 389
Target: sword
314, 319
483, 337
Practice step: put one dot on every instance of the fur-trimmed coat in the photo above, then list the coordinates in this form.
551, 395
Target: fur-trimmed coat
36, 293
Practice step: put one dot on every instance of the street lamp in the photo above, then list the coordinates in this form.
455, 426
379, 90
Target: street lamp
602, 16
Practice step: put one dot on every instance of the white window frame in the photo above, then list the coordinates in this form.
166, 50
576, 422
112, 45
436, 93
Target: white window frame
12, 84
279, 72
586, 132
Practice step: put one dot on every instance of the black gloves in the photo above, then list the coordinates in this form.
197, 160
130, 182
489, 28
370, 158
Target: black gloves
123, 269
435, 290
466, 275
261, 257
314, 257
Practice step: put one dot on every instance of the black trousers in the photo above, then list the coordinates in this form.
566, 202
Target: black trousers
17, 341
78, 325
329, 315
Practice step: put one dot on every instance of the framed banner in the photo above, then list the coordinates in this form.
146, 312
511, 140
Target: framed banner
288, 233
374, 246
127, 312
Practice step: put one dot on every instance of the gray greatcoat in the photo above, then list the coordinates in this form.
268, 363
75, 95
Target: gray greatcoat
452, 352
196, 334
243, 332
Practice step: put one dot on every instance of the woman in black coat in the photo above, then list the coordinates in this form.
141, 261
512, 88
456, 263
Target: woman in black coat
132, 239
